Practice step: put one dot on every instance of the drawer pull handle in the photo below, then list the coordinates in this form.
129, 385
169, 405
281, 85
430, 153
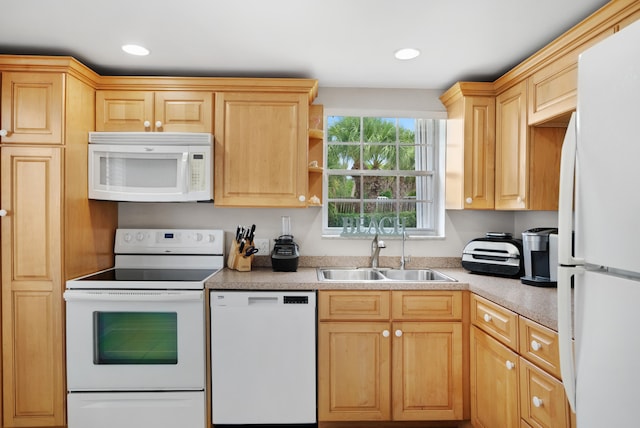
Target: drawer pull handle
3, 132
535, 345
510, 365
385, 333
487, 318
147, 124
537, 402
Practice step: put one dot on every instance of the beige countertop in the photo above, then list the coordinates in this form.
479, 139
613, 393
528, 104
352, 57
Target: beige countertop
536, 303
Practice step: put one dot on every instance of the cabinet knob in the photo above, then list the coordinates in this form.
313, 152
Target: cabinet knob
302, 198
3, 132
158, 124
535, 345
510, 365
468, 200
537, 402
487, 318
3, 213
398, 333
519, 199
147, 124
385, 333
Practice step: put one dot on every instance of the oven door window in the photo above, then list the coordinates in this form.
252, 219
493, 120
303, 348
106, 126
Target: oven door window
135, 338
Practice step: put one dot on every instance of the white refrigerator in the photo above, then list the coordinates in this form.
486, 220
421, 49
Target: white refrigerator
600, 276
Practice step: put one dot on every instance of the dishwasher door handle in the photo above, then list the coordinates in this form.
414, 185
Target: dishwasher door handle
263, 300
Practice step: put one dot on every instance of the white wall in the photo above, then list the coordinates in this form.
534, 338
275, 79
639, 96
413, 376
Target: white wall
460, 226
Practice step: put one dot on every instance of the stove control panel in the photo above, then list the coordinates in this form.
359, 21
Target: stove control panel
169, 241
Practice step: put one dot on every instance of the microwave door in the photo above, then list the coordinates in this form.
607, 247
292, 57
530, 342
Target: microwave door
138, 173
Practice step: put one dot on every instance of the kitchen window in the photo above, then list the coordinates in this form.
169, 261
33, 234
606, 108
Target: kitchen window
384, 175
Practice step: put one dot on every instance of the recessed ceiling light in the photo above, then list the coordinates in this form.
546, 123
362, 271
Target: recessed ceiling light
135, 50
407, 53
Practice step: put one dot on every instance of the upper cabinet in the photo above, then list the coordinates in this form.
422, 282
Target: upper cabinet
161, 111
32, 108
504, 138
511, 148
470, 145
261, 146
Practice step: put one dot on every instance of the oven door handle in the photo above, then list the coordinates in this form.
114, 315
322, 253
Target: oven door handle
132, 295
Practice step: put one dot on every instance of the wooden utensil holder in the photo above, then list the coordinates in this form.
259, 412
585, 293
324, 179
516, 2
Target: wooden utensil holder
237, 260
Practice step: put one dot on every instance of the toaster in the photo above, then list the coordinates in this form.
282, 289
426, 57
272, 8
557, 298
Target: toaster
497, 253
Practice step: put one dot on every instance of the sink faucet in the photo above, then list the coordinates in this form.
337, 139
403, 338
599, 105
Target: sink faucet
376, 245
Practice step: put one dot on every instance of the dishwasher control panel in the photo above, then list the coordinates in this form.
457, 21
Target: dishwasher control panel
296, 300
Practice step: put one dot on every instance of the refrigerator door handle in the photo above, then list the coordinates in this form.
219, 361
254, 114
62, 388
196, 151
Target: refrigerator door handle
565, 201
565, 331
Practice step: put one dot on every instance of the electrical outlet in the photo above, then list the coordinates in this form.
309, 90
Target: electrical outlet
262, 245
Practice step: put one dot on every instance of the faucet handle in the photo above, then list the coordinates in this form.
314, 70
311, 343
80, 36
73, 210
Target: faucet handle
381, 244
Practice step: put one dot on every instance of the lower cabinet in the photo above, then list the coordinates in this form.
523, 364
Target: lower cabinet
395, 355
514, 371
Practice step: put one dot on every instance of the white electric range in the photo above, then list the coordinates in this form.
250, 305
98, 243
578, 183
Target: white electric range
136, 332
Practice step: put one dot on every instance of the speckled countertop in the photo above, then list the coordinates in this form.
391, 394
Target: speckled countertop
536, 303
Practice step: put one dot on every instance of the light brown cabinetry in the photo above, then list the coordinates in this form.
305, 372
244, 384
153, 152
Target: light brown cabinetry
470, 145
384, 362
515, 371
261, 145
166, 111
511, 148
50, 232
32, 108
316, 154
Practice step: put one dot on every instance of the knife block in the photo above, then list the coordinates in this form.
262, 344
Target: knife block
237, 260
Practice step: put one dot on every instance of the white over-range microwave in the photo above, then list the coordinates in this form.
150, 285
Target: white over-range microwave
150, 166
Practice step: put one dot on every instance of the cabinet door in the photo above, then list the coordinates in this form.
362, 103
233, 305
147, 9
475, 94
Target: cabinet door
32, 321
354, 371
180, 111
427, 371
32, 107
494, 383
511, 149
261, 150
119, 111
543, 402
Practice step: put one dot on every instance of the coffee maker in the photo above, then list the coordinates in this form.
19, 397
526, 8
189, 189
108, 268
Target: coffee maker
540, 248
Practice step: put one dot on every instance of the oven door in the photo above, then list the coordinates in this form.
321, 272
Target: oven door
135, 340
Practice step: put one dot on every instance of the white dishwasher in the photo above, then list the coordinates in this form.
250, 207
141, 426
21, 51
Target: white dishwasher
263, 357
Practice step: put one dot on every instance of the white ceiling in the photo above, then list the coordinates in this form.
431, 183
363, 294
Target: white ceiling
342, 43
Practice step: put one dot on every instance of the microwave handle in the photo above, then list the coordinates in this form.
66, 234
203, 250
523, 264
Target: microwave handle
186, 174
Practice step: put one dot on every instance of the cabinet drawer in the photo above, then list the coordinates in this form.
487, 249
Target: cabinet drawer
426, 305
353, 305
499, 322
543, 403
539, 345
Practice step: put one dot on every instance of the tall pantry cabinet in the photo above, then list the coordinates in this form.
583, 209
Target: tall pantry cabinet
50, 231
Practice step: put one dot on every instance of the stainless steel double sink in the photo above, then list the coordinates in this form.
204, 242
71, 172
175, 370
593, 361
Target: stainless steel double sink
381, 275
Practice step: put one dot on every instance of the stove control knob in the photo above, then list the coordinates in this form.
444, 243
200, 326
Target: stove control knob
127, 237
140, 236
198, 237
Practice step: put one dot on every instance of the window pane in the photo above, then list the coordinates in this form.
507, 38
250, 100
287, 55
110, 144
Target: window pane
341, 212
344, 187
407, 158
343, 156
379, 156
379, 130
379, 187
343, 129
135, 337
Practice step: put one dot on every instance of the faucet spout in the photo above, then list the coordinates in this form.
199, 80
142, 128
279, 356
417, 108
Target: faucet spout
376, 245
402, 258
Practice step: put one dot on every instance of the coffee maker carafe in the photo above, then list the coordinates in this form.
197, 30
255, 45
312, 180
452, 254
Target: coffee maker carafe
540, 248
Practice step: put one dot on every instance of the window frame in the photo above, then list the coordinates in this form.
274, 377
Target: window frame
438, 231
